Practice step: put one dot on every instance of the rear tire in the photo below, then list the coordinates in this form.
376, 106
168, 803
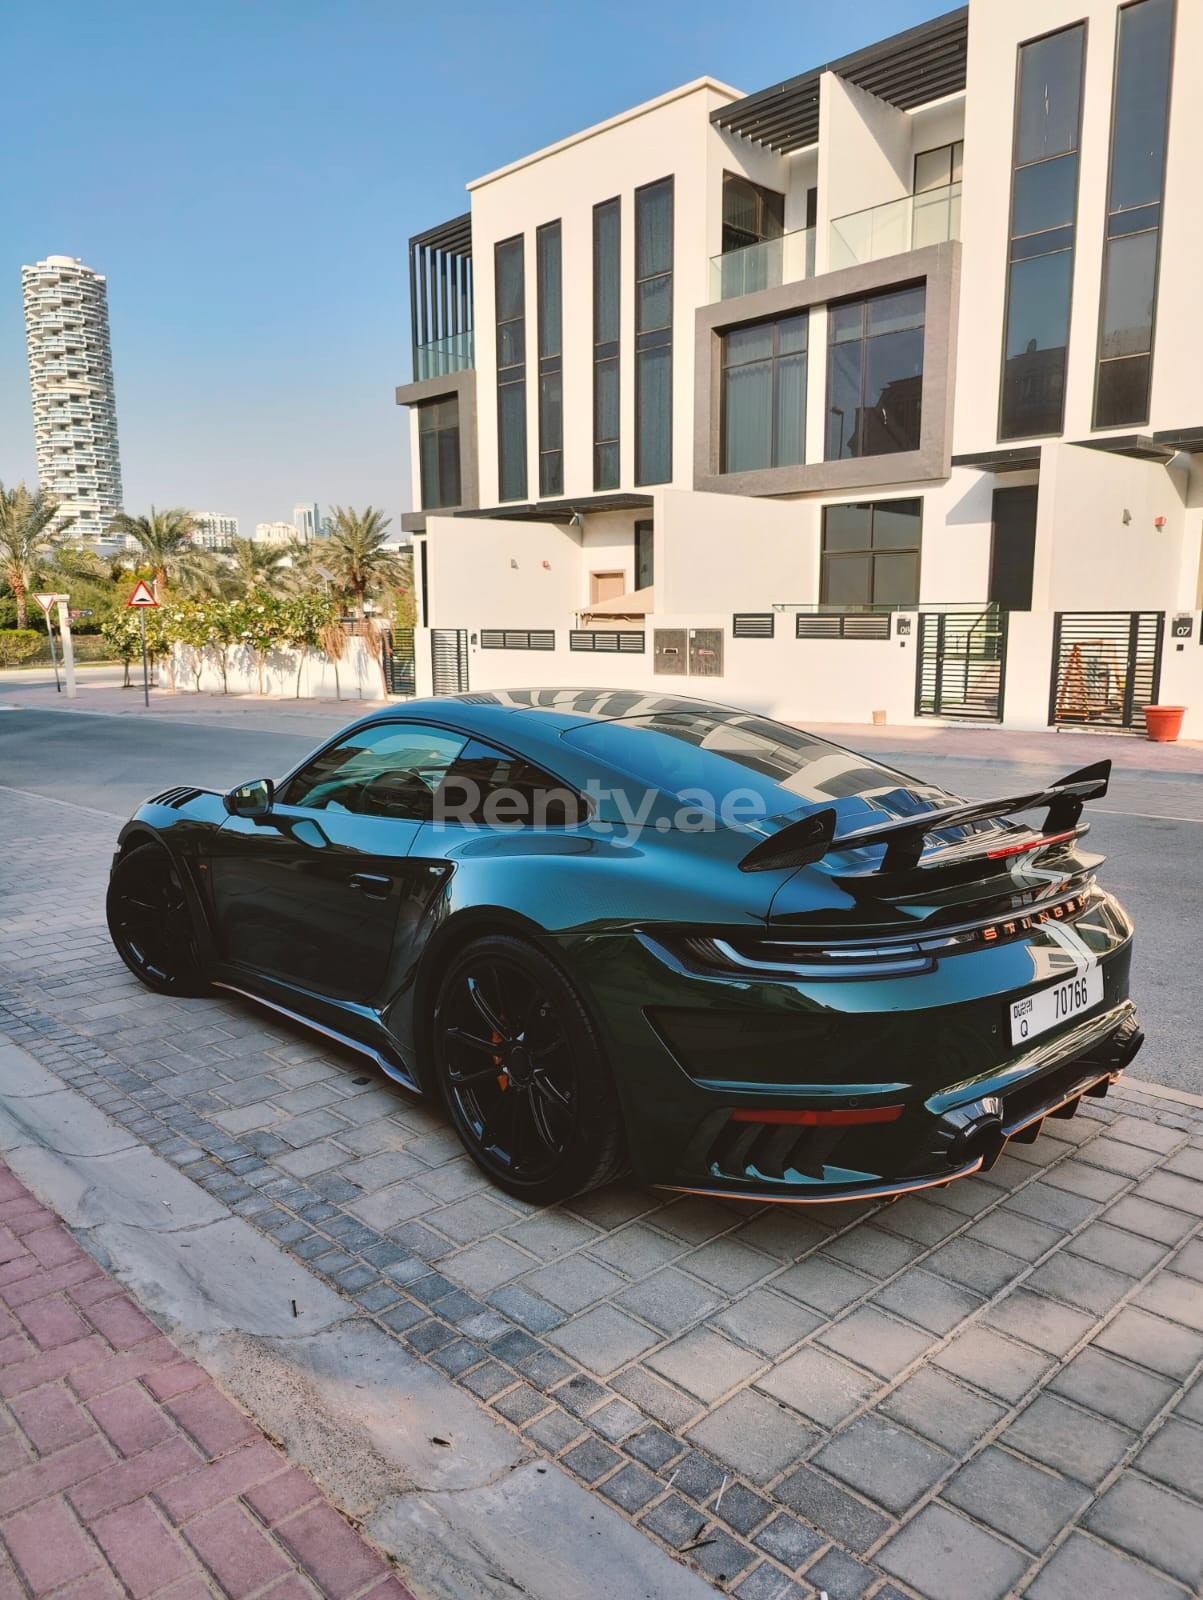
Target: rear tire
151, 923
522, 1073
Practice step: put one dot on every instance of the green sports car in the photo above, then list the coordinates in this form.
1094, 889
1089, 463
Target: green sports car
618, 930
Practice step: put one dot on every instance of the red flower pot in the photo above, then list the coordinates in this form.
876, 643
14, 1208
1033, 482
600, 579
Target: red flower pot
1164, 723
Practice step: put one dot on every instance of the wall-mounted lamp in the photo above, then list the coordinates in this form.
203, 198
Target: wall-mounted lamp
1127, 517
576, 520
547, 566
1159, 522
513, 564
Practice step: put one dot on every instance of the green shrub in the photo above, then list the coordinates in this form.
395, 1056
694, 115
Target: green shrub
18, 645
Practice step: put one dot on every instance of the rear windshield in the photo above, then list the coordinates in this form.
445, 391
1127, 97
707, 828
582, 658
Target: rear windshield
684, 752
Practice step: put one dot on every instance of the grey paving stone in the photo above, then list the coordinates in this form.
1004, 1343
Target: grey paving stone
786, 1232
1076, 1443
1017, 1236
615, 1420
453, 1180
829, 1508
884, 1462
923, 1220
591, 1459
675, 1521
551, 1233
1081, 1283
669, 1299
1060, 1208
1026, 1503
631, 1487
765, 1582
1084, 1570
1170, 1189
1139, 1131
1035, 1319
1149, 1220
1188, 1162
789, 1540
1178, 1298
754, 1436
974, 1265
696, 1218
1174, 1456
704, 1363
1128, 1395
767, 1321
1191, 1403
554, 1430
465, 1221
654, 1447
484, 1267
543, 1367
876, 1341
719, 1555
636, 1250
1189, 1260
1091, 1183
840, 1577
825, 1284
1116, 1247
1150, 1522
371, 1173
872, 1250
530, 1310
1151, 1341
944, 1557
297, 1131
1117, 1156
932, 1302
729, 1265
582, 1396
820, 1386
602, 1340
931, 1403
573, 1282
612, 1206
521, 1404
999, 1366
742, 1508
697, 1476
663, 1401
488, 1380
420, 1240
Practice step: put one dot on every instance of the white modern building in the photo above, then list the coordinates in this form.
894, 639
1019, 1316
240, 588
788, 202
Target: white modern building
74, 409
875, 390
307, 519
275, 532
213, 529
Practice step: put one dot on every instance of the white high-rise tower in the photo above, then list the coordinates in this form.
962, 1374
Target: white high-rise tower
74, 410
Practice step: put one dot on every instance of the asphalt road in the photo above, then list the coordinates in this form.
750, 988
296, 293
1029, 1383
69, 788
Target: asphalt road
1150, 828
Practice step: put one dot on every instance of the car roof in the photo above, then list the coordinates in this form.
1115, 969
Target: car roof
551, 711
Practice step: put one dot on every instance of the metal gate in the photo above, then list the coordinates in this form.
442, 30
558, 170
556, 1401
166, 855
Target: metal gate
1106, 667
397, 645
449, 660
962, 665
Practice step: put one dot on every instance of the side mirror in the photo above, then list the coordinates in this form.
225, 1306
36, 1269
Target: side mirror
252, 799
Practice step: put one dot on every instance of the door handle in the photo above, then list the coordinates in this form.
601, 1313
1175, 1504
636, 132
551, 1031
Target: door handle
376, 888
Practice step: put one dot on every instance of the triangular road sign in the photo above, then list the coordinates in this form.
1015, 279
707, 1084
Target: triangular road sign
143, 595
46, 601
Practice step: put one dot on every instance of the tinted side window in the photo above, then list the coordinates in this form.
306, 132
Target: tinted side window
489, 788
389, 769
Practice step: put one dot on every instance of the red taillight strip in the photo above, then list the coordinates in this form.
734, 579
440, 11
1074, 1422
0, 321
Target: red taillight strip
850, 1117
1032, 844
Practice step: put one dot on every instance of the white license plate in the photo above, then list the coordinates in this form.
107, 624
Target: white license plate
1037, 1013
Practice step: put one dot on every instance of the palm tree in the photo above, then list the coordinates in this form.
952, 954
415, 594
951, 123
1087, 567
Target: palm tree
26, 539
356, 553
253, 565
164, 541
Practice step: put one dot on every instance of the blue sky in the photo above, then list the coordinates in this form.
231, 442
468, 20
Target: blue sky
247, 173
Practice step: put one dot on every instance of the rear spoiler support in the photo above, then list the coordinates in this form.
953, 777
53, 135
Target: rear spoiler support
803, 843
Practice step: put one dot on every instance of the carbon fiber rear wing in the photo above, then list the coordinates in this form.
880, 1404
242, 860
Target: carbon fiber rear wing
809, 840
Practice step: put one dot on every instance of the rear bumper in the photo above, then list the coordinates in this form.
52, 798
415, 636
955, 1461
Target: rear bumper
969, 1136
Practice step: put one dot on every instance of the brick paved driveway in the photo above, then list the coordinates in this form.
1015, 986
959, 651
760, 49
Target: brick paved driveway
992, 1390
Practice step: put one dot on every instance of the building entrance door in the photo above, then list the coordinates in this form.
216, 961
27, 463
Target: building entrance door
1013, 547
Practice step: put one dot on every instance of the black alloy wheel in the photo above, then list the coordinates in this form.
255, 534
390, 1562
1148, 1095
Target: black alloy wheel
522, 1072
151, 923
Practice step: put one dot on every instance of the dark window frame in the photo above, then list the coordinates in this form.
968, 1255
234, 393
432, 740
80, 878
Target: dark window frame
435, 497
651, 340
760, 194
512, 375
645, 529
774, 358
826, 557
1109, 237
551, 369
607, 353
864, 301
1082, 24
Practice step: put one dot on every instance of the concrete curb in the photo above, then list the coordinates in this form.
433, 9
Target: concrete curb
465, 1508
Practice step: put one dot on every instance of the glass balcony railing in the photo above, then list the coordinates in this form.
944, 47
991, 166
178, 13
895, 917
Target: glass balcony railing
455, 353
897, 226
763, 266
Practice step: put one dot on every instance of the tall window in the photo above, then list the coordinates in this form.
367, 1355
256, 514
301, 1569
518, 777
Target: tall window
871, 553
551, 377
764, 395
1143, 49
937, 189
1044, 204
607, 270
752, 215
438, 453
645, 570
875, 374
510, 271
654, 332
